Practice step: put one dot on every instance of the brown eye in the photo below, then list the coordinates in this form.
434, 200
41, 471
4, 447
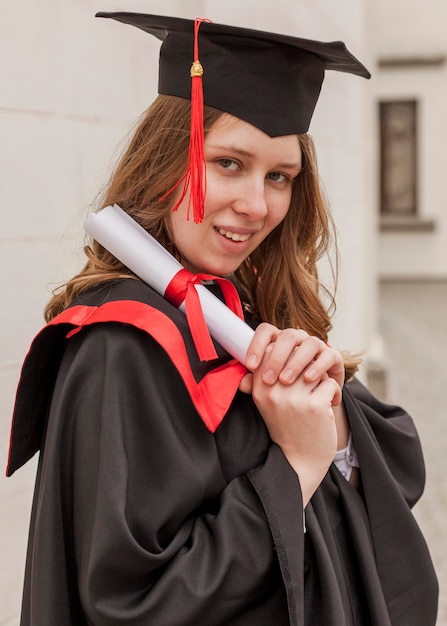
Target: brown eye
228, 164
278, 177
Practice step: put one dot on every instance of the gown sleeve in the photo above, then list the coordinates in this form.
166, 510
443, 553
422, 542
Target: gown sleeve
388, 437
158, 533
393, 476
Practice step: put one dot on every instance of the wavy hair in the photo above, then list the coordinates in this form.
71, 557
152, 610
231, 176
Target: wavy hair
279, 279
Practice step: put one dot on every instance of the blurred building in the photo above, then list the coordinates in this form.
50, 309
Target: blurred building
409, 91
408, 40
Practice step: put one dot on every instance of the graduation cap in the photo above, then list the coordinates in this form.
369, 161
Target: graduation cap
269, 80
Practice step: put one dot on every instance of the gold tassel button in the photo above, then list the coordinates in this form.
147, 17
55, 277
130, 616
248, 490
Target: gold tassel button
196, 69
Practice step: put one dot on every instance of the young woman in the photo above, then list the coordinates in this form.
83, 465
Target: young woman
294, 508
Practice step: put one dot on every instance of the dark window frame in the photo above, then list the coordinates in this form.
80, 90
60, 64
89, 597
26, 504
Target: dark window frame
398, 121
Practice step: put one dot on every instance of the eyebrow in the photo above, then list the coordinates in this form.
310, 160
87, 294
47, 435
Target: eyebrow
246, 153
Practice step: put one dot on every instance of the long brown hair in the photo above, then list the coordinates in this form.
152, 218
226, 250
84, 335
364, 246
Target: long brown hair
279, 279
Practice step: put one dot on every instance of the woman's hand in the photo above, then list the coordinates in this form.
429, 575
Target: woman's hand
296, 381
292, 352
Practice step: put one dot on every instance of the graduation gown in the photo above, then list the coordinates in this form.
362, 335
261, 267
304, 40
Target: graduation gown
161, 500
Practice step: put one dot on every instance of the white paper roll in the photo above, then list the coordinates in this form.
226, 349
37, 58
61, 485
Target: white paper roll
149, 260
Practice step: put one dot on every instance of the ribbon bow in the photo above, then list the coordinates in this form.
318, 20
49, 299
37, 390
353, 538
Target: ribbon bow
182, 289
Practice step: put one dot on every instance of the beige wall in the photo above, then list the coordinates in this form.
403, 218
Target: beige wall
71, 86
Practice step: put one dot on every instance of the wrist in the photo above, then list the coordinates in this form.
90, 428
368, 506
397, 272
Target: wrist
310, 474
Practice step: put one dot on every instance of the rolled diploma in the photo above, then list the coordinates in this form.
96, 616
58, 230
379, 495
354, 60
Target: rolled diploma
149, 260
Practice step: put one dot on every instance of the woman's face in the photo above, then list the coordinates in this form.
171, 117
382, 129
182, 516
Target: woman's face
248, 193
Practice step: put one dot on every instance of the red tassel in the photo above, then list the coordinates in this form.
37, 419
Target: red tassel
195, 176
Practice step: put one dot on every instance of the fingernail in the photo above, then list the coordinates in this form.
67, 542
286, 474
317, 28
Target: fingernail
288, 375
311, 374
252, 361
269, 377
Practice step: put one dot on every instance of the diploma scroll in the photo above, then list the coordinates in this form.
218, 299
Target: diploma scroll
150, 261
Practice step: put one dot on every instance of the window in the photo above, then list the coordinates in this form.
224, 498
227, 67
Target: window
398, 159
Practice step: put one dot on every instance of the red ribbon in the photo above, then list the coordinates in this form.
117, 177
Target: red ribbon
182, 289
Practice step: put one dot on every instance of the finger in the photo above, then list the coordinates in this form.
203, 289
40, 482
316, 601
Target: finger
246, 384
331, 389
302, 357
264, 335
279, 361
328, 361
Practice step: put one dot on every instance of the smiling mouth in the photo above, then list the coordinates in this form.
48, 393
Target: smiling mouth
233, 236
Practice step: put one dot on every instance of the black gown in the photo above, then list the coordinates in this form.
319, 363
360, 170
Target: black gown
161, 500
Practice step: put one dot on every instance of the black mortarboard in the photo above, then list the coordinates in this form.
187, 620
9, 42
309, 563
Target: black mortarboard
269, 80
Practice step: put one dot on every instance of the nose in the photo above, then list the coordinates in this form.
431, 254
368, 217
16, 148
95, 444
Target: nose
251, 200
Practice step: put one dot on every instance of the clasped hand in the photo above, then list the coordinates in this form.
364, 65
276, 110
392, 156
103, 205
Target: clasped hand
296, 381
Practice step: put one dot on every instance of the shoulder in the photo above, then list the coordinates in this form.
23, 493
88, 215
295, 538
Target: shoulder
125, 302
356, 389
356, 393
119, 289
98, 330
122, 328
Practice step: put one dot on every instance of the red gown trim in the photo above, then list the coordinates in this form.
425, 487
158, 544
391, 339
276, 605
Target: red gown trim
211, 396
